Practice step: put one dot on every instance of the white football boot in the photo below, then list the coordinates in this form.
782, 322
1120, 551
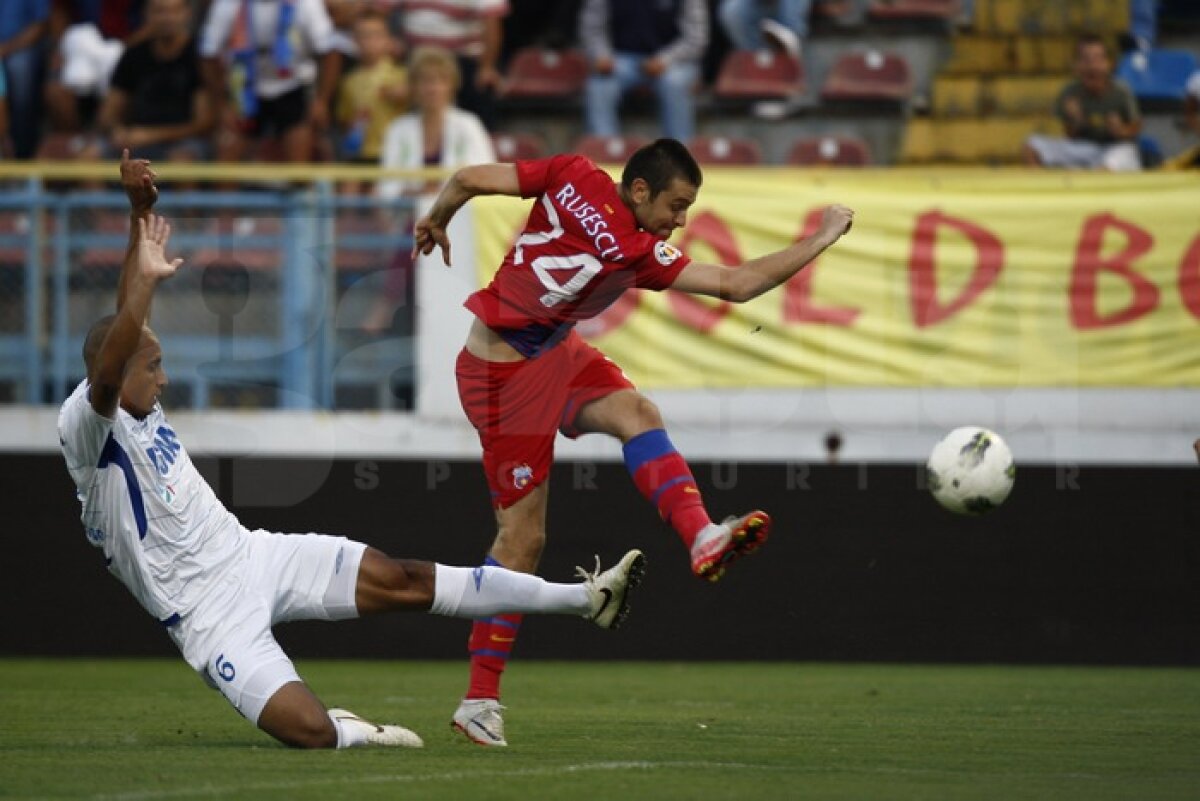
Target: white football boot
376, 734
609, 590
480, 720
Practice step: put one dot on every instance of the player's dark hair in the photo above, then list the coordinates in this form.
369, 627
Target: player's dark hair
95, 338
659, 163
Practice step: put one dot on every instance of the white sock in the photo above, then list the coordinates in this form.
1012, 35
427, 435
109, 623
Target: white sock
350, 731
485, 591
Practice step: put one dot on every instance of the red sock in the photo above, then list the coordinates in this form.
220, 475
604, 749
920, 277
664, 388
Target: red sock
664, 478
491, 643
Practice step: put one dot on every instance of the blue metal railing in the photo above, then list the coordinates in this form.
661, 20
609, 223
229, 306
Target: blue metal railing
300, 355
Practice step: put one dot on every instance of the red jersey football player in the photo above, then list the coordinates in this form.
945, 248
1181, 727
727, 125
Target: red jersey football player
526, 374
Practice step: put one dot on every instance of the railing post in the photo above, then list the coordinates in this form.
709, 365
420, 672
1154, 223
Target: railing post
62, 276
35, 315
297, 296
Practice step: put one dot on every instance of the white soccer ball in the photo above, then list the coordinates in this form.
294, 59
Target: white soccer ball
971, 471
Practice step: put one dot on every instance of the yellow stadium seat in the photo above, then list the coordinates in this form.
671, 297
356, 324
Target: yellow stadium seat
962, 141
956, 96
1016, 95
979, 55
919, 145
1044, 54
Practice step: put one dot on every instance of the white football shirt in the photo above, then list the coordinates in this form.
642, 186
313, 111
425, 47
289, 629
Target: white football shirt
163, 531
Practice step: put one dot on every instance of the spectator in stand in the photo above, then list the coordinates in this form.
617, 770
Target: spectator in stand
260, 64
1143, 24
780, 25
633, 43
434, 134
157, 106
343, 14
471, 29
1189, 159
1099, 115
87, 38
753, 24
5, 148
23, 27
1191, 103
372, 94
536, 23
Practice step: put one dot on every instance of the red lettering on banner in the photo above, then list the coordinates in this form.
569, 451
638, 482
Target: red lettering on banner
1089, 263
798, 306
922, 267
710, 229
1189, 278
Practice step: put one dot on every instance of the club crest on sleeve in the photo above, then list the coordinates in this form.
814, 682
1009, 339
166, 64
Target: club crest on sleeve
666, 253
522, 475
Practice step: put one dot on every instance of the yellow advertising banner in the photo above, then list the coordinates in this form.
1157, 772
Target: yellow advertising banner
951, 278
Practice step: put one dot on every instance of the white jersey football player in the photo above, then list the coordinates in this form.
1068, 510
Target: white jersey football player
218, 587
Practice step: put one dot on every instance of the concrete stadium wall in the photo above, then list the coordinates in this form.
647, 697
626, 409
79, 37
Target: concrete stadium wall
1081, 565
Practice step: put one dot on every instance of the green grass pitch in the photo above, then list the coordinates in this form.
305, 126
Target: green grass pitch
148, 729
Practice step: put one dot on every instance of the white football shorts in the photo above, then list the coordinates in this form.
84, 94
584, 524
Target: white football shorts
228, 639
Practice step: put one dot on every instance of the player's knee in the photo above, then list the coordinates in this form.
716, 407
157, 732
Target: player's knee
647, 415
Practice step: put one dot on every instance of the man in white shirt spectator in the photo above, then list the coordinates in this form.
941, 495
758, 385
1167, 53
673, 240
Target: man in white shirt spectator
271, 71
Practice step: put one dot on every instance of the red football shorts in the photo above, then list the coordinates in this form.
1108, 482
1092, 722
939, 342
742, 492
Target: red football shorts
519, 407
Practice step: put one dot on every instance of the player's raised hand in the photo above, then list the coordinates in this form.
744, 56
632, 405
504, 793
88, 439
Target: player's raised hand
426, 236
155, 232
138, 181
836, 221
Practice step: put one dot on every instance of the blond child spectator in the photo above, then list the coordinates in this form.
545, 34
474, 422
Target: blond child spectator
372, 94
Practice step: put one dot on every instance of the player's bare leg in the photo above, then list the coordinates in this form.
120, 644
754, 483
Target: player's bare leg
296, 717
520, 538
664, 479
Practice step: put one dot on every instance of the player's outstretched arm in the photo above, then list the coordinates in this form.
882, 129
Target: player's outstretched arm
108, 368
749, 280
479, 179
137, 179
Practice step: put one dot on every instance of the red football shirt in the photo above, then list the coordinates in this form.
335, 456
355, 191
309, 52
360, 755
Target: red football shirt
580, 249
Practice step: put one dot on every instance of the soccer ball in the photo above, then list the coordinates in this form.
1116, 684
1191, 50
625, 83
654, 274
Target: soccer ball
970, 471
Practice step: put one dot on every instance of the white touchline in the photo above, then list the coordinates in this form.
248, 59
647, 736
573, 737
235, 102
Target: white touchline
410, 778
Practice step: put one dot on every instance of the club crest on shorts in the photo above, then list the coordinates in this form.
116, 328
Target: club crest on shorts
522, 475
666, 253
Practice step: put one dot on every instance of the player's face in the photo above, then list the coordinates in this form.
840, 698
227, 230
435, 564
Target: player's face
145, 378
666, 211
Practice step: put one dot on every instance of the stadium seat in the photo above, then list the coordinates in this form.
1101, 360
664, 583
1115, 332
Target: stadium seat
609, 149
1043, 54
725, 150
833, 9
1025, 94
255, 243
841, 151
1160, 75
109, 227
979, 55
363, 245
919, 145
518, 146
15, 239
748, 75
536, 73
913, 9
872, 75
957, 95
